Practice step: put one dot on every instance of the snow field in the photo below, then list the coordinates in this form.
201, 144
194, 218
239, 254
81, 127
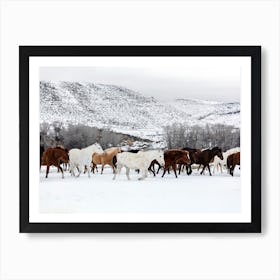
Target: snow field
196, 193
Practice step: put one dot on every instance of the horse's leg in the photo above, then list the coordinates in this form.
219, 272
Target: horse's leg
221, 167
233, 166
79, 171
189, 169
215, 167
158, 168
127, 173
71, 169
152, 169
112, 166
47, 171
144, 172
174, 169
61, 169
164, 171
209, 169
119, 167
93, 166
88, 170
202, 169
102, 166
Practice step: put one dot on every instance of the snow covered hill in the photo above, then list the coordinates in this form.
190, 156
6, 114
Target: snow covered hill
126, 111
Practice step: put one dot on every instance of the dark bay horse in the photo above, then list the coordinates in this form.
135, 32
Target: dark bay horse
204, 157
191, 151
232, 161
152, 167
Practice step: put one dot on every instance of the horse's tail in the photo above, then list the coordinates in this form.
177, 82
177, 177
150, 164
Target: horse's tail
115, 161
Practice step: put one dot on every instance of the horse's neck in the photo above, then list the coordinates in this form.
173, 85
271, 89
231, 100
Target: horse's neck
213, 154
149, 155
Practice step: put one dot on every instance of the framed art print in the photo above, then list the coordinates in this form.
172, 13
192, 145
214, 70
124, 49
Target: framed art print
140, 138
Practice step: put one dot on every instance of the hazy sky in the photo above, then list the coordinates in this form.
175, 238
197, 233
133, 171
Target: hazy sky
207, 83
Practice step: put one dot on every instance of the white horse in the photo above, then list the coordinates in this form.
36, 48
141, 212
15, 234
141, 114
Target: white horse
218, 163
140, 160
79, 158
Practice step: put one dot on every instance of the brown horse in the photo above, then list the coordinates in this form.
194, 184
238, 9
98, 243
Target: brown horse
55, 156
105, 158
172, 157
204, 157
191, 151
232, 161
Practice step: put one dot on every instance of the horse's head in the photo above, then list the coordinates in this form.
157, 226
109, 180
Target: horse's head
160, 157
97, 148
65, 157
186, 158
218, 152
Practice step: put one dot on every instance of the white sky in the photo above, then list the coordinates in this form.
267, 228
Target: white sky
219, 82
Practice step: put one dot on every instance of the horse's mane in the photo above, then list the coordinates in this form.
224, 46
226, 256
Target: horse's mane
59, 147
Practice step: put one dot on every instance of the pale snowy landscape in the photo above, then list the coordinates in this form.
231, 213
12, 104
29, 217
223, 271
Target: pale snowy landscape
196, 193
126, 111
76, 114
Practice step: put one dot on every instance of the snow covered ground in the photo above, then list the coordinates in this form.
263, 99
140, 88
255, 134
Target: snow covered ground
220, 193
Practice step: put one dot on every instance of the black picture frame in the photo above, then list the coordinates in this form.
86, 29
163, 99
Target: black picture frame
25, 52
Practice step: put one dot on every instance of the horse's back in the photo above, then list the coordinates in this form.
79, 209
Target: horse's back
137, 160
236, 158
52, 155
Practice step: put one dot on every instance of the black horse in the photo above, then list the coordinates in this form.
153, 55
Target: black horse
204, 157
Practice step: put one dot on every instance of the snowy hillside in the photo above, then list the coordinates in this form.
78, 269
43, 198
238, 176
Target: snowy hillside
124, 110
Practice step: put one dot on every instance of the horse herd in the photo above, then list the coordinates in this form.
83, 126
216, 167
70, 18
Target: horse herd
87, 160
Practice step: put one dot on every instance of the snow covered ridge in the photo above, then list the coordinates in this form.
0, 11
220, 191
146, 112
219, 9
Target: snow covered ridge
123, 110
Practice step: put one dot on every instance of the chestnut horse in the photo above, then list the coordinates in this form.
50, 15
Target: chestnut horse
172, 157
55, 156
232, 161
204, 157
105, 158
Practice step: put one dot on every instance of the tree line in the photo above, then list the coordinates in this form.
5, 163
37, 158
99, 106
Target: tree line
176, 136
81, 136
209, 136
